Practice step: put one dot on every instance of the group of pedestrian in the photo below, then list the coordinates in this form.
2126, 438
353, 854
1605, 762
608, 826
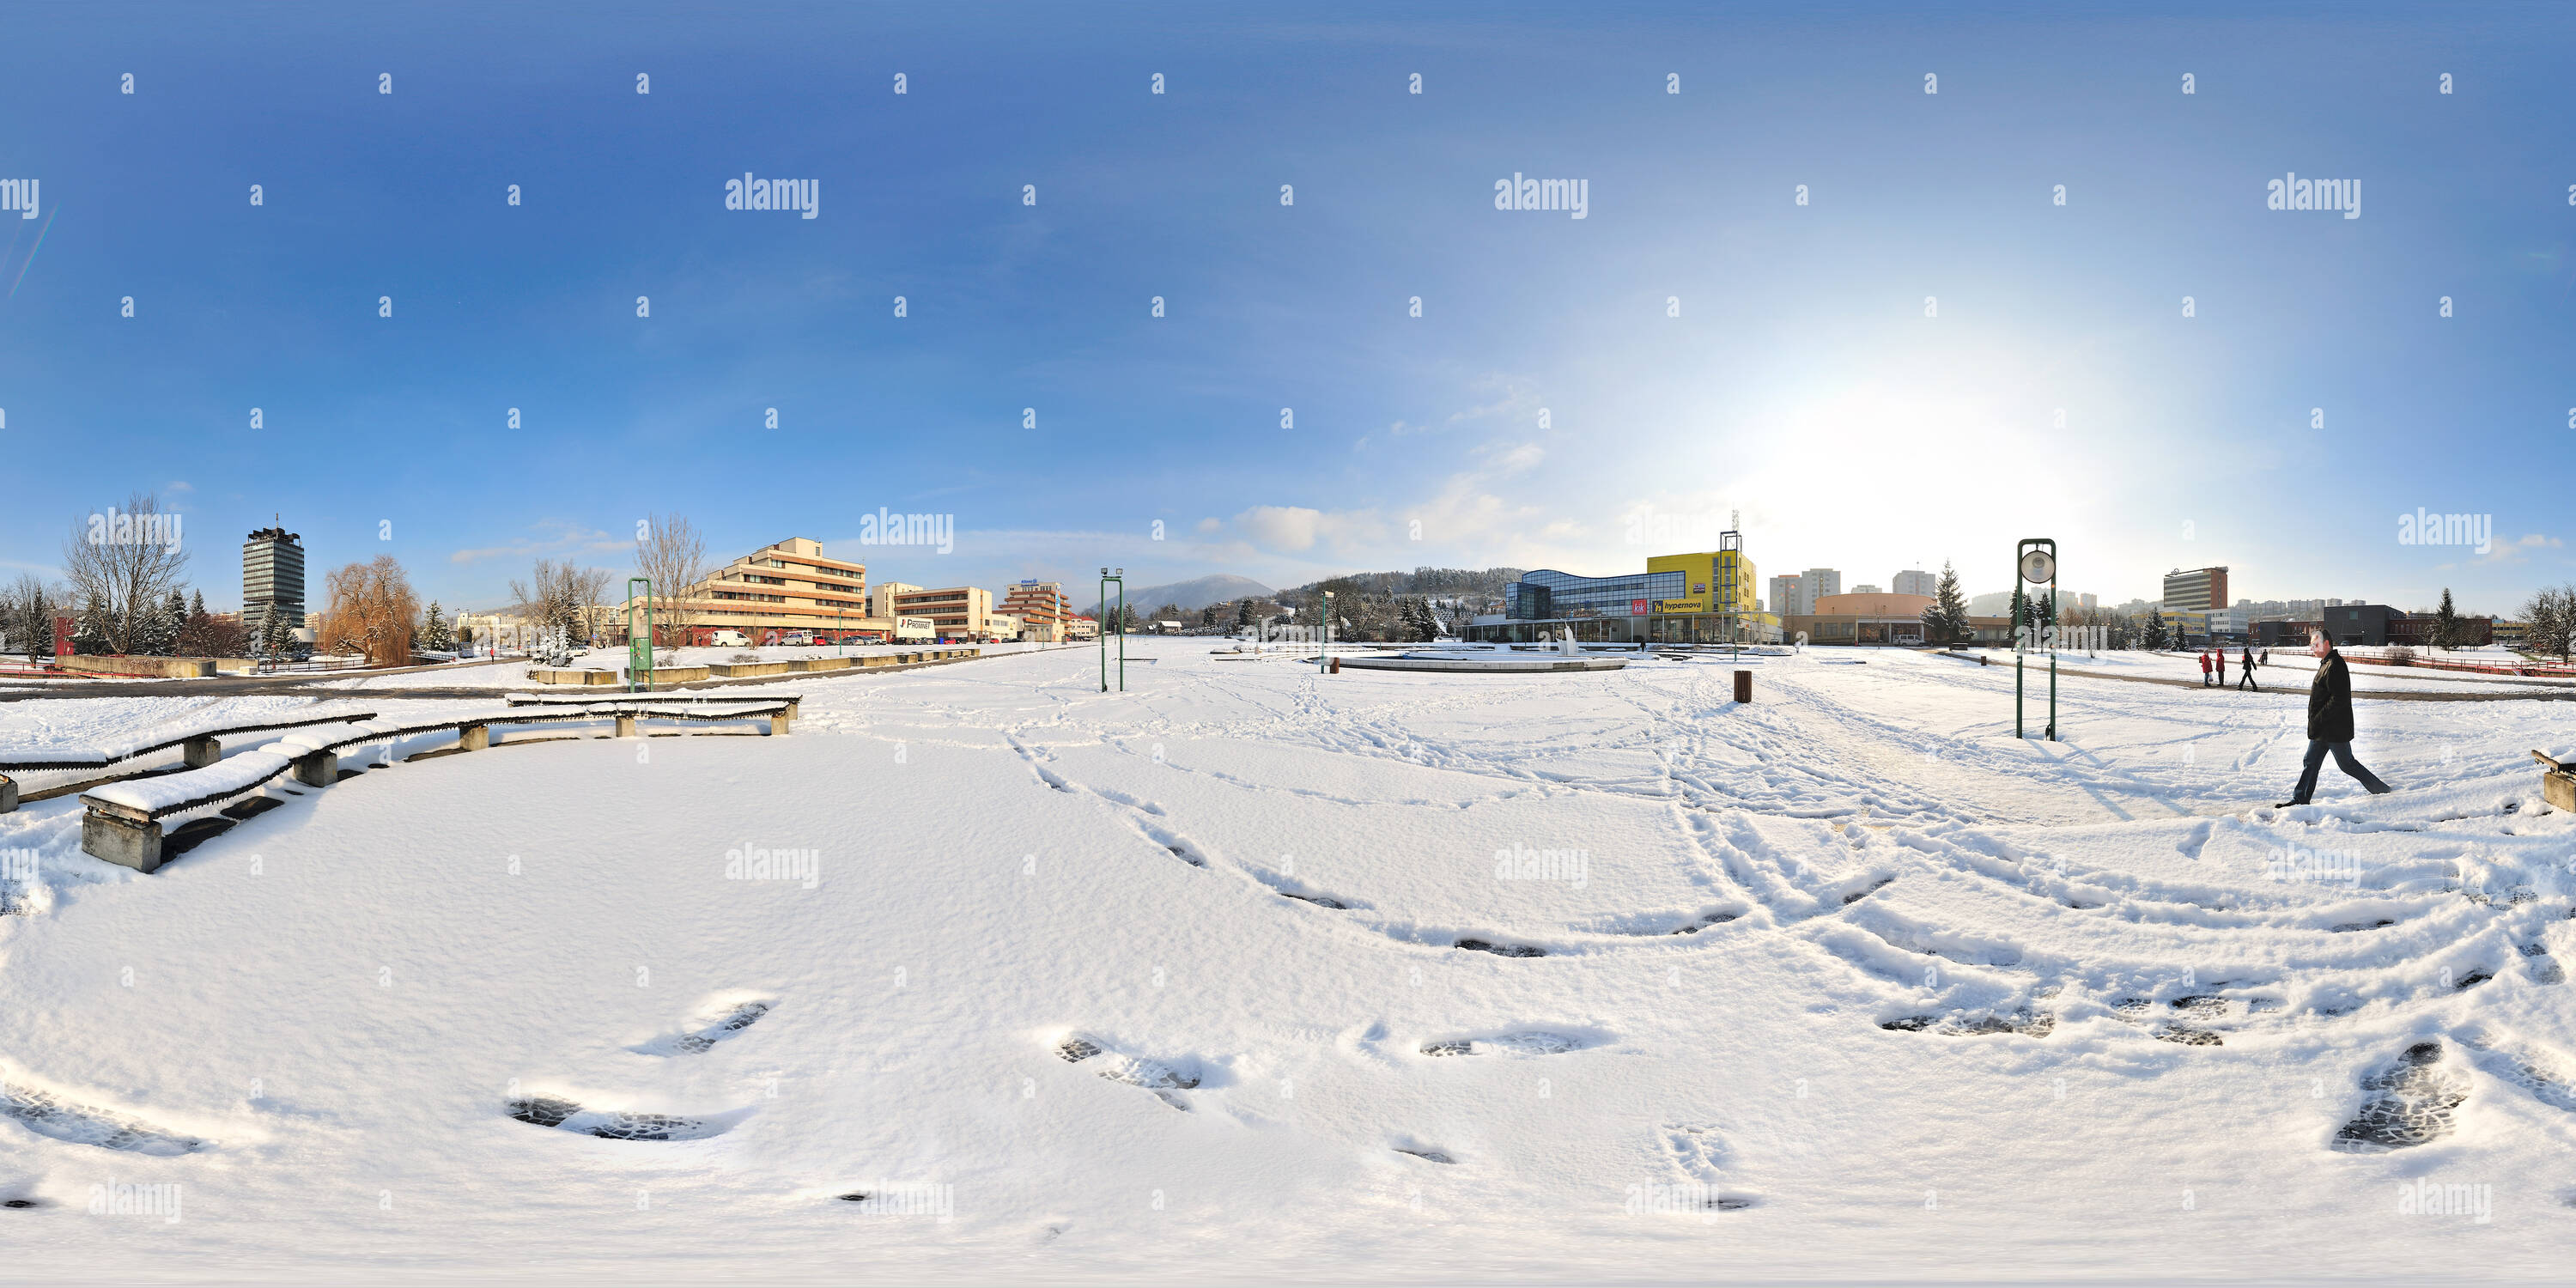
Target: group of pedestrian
2214, 662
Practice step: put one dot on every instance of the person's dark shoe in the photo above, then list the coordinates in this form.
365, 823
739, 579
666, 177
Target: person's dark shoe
2289, 804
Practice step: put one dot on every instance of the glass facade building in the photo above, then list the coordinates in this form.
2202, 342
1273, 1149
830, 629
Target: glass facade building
1548, 595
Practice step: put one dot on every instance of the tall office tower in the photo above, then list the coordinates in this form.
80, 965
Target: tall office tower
272, 579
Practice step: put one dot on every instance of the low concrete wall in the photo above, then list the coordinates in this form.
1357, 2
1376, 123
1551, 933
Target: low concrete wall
737, 670
167, 668
673, 674
585, 678
822, 663
236, 665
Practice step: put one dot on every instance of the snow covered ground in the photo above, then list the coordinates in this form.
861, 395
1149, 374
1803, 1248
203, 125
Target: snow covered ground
1844, 983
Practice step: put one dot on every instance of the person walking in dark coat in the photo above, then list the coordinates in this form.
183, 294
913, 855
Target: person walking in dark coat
2330, 724
2248, 681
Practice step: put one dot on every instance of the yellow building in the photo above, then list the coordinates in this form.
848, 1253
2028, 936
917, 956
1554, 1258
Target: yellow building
1706, 573
1714, 579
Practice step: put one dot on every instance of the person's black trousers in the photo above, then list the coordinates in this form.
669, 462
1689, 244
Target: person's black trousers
2248, 681
2316, 759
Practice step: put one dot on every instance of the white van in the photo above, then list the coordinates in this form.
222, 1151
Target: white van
729, 639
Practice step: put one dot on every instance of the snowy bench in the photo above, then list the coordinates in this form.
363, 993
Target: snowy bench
657, 699
124, 821
200, 745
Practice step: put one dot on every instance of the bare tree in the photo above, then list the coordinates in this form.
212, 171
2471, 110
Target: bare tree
563, 597
2550, 618
675, 557
125, 564
371, 610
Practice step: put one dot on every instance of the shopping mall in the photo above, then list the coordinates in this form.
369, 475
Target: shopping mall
1695, 598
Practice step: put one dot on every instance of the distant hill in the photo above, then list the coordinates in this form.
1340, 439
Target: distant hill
1193, 595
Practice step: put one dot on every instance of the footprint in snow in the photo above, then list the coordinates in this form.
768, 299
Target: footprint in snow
2412, 1102
1136, 1071
77, 1124
710, 1031
2028, 1023
1696, 1154
1501, 950
1531, 1043
547, 1111
2545, 1078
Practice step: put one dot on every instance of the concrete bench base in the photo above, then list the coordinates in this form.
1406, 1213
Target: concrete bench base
122, 841
130, 835
587, 679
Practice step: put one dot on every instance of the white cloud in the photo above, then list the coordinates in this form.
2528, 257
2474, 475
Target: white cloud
557, 537
1280, 527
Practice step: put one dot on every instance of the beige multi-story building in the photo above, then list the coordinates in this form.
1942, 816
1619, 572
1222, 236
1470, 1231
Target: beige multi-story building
960, 612
881, 597
1041, 608
785, 588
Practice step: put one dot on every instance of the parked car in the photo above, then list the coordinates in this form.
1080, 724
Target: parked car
729, 639
799, 639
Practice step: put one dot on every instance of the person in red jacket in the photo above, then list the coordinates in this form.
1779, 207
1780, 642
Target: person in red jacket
2330, 724
2204, 668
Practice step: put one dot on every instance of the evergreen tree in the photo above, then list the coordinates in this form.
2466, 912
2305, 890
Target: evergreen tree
434, 634
1243, 611
161, 632
276, 638
34, 625
1946, 621
193, 626
2155, 629
2446, 623
89, 631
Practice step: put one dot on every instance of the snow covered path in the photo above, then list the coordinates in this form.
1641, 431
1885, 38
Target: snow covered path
1249, 972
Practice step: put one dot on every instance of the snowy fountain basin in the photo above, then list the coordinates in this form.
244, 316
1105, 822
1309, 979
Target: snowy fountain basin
1472, 663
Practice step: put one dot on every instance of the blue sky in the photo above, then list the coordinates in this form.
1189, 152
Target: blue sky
1802, 383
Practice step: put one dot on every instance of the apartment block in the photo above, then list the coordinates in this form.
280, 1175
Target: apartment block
1040, 607
960, 612
785, 588
2195, 591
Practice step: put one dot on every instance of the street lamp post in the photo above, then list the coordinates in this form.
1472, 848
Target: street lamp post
1117, 622
1324, 639
639, 648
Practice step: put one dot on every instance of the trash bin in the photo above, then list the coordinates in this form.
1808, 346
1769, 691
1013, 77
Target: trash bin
1744, 686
